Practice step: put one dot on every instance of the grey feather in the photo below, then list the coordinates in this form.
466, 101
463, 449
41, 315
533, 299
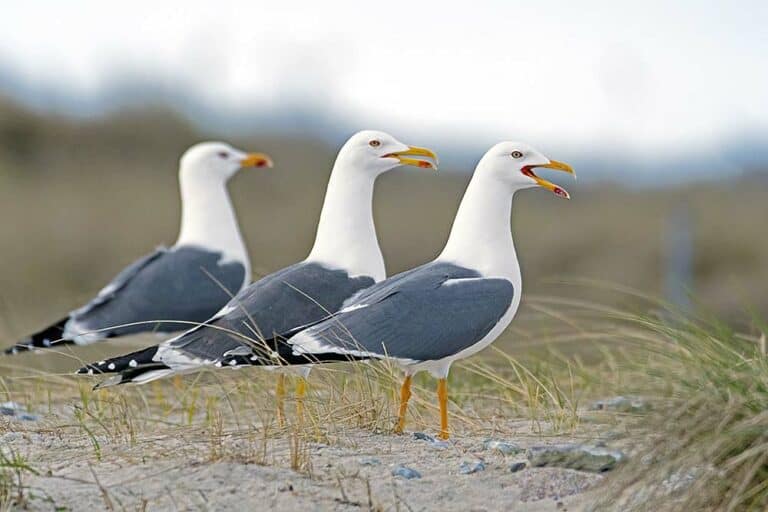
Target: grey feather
186, 284
293, 297
425, 314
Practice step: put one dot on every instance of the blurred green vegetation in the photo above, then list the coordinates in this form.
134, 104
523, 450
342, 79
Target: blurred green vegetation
81, 198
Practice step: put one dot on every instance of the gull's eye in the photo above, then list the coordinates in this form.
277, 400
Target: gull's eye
517, 154
223, 154
374, 143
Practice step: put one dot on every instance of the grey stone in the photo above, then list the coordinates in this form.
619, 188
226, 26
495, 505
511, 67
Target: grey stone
10, 408
369, 461
467, 468
575, 456
17, 411
502, 446
434, 443
407, 473
517, 466
620, 404
680, 481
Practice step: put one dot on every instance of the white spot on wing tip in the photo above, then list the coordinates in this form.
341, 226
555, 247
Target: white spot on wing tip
111, 366
132, 363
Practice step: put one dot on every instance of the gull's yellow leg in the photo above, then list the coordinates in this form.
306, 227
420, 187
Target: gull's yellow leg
301, 391
280, 398
405, 395
442, 396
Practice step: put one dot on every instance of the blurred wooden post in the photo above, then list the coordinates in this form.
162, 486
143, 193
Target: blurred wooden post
678, 257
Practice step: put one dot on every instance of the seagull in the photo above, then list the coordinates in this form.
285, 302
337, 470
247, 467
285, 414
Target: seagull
344, 260
187, 282
445, 310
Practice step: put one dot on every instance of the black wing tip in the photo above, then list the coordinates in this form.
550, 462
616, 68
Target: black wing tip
46, 338
33, 345
130, 375
95, 368
119, 364
21, 346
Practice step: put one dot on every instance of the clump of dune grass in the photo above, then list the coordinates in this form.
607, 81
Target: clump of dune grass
705, 446
14, 468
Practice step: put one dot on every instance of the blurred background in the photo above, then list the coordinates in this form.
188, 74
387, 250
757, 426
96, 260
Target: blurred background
660, 107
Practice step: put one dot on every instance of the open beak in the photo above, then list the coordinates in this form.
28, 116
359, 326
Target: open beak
403, 157
553, 164
256, 160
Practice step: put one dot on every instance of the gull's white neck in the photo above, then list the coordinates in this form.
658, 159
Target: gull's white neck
346, 236
481, 236
208, 219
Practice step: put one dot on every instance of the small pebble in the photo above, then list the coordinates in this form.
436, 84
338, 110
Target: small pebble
369, 461
679, 480
434, 443
10, 408
421, 436
467, 468
575, 456
407, 473
17, 411
502, 446
517, 466
620, 404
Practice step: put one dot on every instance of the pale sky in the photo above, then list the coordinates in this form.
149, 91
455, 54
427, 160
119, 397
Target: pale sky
649, 74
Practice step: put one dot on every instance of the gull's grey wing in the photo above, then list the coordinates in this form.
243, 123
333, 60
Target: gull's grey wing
187, 284
295, 296
428, 313
108, 292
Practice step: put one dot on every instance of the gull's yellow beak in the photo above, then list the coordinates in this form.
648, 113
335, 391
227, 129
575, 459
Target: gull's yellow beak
553, 164
256, 160
402, 157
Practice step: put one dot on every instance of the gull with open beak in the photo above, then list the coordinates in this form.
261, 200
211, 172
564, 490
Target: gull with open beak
174, 287
344, 260
452, 307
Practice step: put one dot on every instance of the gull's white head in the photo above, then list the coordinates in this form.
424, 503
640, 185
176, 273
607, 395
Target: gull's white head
377, 152
219, 161
513, 163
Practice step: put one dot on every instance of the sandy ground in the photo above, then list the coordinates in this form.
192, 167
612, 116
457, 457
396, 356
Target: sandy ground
192, 470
